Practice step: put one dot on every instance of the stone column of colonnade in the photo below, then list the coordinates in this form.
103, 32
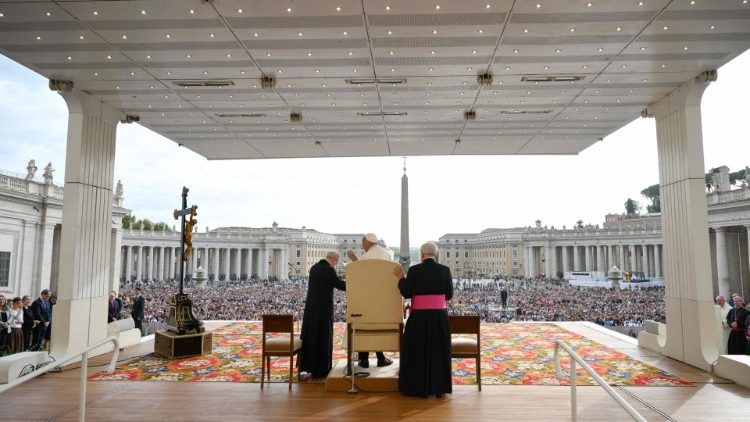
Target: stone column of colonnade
657, 261
128, 261
722, 263
225, 263
263, 263
691, 334
587, 258
565, 260
611, 257
215, 263
600, 258
576, 258
84, 271
527, 262
248, 262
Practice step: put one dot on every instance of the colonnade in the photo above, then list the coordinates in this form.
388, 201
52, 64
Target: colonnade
554, 259
142, 263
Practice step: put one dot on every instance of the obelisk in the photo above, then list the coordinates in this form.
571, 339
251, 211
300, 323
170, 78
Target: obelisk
405, 258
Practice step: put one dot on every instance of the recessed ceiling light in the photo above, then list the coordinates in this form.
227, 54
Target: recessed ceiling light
192, 12
644, 80
279, 71
474, 51
124, 37
437, 7
96, 73
289, 10
299, 34
38, 38
588, 4
239, 10
393, 70
309, 54
338, 9
557, 50
346, 33
538, 5
546, 67
585, 66
143, 12
624, 66
643, 48
167, 36
388, 8
469, 69
390, 32
211, 35
572, 30
70, 58
663, 66
430, 69
619, 28
515, 50
692, 2
480, 31
81, 37
132, 73
526, 30
317, 70
432, 52
188, 55
685, 48
109, 57
117, 87
434, 31
169, 73
486, 6
713, 27
665, 28
507, 67
49, 14
96, 13
268, 54
640, 3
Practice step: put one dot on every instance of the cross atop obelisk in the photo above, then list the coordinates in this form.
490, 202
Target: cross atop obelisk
404, 250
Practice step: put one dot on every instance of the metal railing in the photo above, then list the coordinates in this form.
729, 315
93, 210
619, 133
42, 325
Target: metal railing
84, 371
572, 373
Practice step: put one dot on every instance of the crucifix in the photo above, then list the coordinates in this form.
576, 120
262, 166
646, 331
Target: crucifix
181, 319
186, 231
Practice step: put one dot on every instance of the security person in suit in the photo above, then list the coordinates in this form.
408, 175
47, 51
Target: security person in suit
139, 307
42, 310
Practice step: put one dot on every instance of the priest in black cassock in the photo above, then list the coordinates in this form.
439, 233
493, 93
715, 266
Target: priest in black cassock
317, 322
738, 319
426, 347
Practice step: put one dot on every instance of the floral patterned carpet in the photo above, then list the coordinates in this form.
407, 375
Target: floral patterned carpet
513, 353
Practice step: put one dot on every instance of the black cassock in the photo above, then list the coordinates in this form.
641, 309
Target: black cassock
426, 346
737, 343
317, 322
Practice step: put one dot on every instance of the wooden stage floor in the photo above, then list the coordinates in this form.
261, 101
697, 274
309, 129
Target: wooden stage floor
54, 397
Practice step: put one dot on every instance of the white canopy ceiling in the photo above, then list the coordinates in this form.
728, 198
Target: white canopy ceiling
625, 54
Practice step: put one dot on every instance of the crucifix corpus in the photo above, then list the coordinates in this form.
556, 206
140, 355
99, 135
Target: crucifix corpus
181, 319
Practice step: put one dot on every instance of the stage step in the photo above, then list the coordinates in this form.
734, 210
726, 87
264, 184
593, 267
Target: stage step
735, 368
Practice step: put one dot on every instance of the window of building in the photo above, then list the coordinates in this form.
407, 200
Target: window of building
515, 272
298, 263
466, 254
514, 263
299, 253
448, 254
4, 269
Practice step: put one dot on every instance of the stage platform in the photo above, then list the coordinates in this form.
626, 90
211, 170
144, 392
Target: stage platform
371, 380
708, 399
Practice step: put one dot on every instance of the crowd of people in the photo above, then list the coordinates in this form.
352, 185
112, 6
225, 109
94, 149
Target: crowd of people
525, 300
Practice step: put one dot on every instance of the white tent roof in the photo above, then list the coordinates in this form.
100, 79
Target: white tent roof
130, 54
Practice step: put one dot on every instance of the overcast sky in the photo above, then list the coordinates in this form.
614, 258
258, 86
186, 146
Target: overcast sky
356, 195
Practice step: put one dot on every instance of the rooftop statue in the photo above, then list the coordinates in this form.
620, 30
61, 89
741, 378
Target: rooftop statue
31, 168
48, 174
118, 190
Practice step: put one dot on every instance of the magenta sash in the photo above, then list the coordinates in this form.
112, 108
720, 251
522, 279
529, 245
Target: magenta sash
422, 302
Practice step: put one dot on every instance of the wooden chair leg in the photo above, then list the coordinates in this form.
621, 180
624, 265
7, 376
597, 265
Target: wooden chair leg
262, 370
291, 364
268, 366
479, 372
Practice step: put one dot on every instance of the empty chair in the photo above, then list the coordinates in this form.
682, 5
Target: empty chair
278, 346
462, 347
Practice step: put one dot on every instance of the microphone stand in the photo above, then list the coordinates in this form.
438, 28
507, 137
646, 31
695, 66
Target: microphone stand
353, 389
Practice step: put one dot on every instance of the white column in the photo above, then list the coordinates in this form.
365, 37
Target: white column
600, 259
565, 260
549, 252
722, 263
633, 260
576, 258
587, 266
128, 261
225, 263
263, 263
623, 256
646, 263
150, 263
611, 261
115, 259
691, 331
215, 266
248, 262
81, 310
657, 261
43, 267
527, 261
